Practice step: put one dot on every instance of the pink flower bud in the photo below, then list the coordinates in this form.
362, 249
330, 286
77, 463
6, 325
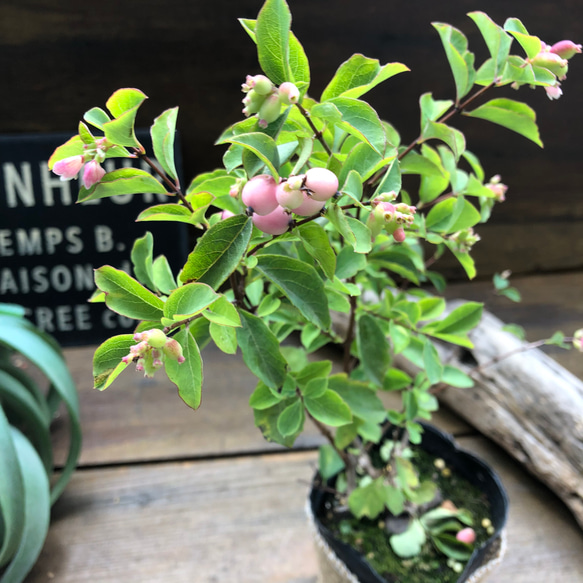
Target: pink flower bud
260, 83
497, 187
173, 350
399, 234
554, 91
578, 340
552, 62
322, 183
289, 93
154, 337
269, 110
466, 535
275, 223
92, 174
68, 168
565, 49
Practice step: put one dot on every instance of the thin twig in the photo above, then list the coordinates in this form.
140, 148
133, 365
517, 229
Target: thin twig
316, 131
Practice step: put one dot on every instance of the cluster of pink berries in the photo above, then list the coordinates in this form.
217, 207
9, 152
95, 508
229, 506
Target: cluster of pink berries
555, 59
272, 203
390, 217
70, 167
266, 100
154, 346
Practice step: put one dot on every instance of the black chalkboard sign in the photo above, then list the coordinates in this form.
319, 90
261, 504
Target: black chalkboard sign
49, 245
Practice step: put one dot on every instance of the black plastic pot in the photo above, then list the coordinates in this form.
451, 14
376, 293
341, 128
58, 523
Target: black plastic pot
466, 464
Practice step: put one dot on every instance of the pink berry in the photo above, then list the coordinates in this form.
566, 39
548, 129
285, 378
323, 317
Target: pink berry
226, 215
466, 535
565, 49
322, 182
259, 194
275, 223
289, 93
309, 207
287, 198
399, 234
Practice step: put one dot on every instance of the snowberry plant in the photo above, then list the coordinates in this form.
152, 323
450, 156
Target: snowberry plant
306, 223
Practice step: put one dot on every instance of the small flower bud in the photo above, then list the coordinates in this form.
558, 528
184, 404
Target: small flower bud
173, 350
252, 102
289, 93
92, 174
565, 49
269, 110
261, 84
464, 240
552, 62
68, 168
497, 187
466, 535
154, 337
578, 340
554, 91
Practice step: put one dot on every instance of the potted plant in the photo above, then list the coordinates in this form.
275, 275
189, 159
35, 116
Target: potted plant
308, 223
26, 463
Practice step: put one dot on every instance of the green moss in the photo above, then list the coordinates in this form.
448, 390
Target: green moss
372, 540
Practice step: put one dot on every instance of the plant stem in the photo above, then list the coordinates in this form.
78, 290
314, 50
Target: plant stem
317, 133
347, 360
174, 187
455, 109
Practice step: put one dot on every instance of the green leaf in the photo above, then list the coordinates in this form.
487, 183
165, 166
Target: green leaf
466, 261
36, 510
141, 256
362, 121
218, 251
260, 350
266, 420
452, 215
362, 400
189, 300
362, 235
530, 44
396, 379
514, 115
188, 375
497, 40
163, 131
463, 319
461, 61
314, 370
163, 277
96, 117
300, 283
409, 543
263, 146
107, 359
291, 419
224, 337
24, 338
368, 500
122, 181
358, 75
456, 378
452, 137
329, 409
124, 295
12, 499
316, 243
349, 263
432, 363
272, 35
124, 100
298, 64
391, 181
432, 109
451, 547
515, 330
329, 462
263, 397
373, 348
223, 312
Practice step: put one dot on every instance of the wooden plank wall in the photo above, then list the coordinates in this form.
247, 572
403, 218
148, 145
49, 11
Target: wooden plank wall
59, 58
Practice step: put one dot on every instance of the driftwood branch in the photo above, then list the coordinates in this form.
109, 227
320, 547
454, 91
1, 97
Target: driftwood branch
527, 403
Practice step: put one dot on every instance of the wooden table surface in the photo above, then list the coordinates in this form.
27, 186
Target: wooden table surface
165, 494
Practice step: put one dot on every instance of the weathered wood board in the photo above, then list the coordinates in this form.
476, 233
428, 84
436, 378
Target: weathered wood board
241, 519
